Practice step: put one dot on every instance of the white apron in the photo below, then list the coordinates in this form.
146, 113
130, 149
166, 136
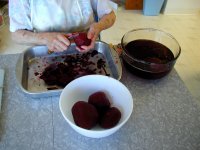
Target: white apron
61, 15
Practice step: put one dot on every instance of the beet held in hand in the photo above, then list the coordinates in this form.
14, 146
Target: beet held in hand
81, 39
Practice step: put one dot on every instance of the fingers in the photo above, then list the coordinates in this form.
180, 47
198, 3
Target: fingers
59, 43
92, 44
91, 34
63, 40
83, 50
57, 46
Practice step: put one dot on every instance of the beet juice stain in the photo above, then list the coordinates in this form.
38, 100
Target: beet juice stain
152, 53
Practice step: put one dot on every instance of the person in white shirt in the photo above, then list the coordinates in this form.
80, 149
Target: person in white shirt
46, 22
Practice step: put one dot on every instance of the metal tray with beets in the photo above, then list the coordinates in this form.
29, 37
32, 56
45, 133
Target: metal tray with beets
34, 60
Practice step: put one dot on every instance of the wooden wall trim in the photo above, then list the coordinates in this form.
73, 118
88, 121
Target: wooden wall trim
134, 4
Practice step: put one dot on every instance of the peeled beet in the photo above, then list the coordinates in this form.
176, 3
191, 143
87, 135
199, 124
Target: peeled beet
110, 118
85, 115
81, 39
100, 101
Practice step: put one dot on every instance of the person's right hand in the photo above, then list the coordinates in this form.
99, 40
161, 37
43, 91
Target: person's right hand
56, 42
92, 34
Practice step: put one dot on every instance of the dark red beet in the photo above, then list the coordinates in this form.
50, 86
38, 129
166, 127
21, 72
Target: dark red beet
110, 118
85, 115
100, 101
81, 39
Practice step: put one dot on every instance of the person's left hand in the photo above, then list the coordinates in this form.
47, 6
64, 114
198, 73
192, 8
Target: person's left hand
92, 34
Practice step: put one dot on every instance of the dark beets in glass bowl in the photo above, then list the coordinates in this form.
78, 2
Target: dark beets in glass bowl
149, 53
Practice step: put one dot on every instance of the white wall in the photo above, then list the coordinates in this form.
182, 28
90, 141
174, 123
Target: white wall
181, 6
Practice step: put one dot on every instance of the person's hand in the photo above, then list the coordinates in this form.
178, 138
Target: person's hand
56, 42
92, 34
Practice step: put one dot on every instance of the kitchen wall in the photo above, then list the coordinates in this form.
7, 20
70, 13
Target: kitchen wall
181, 6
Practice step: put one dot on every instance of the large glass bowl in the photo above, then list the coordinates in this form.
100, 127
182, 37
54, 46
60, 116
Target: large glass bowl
149, 53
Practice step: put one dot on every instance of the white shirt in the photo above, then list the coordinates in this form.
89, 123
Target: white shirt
55, 15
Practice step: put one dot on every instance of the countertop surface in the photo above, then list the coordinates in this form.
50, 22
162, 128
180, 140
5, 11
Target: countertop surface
165, 116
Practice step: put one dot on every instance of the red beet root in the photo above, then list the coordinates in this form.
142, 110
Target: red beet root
110, 118
85, 115
100, 101
81, 39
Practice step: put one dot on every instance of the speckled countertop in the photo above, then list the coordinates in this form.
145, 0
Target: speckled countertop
165, 116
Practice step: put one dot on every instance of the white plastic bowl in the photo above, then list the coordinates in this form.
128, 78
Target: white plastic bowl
81, 88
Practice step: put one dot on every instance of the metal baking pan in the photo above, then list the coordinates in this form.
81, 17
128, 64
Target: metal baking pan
35, 59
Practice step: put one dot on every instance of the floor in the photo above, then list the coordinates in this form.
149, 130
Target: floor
185, 28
